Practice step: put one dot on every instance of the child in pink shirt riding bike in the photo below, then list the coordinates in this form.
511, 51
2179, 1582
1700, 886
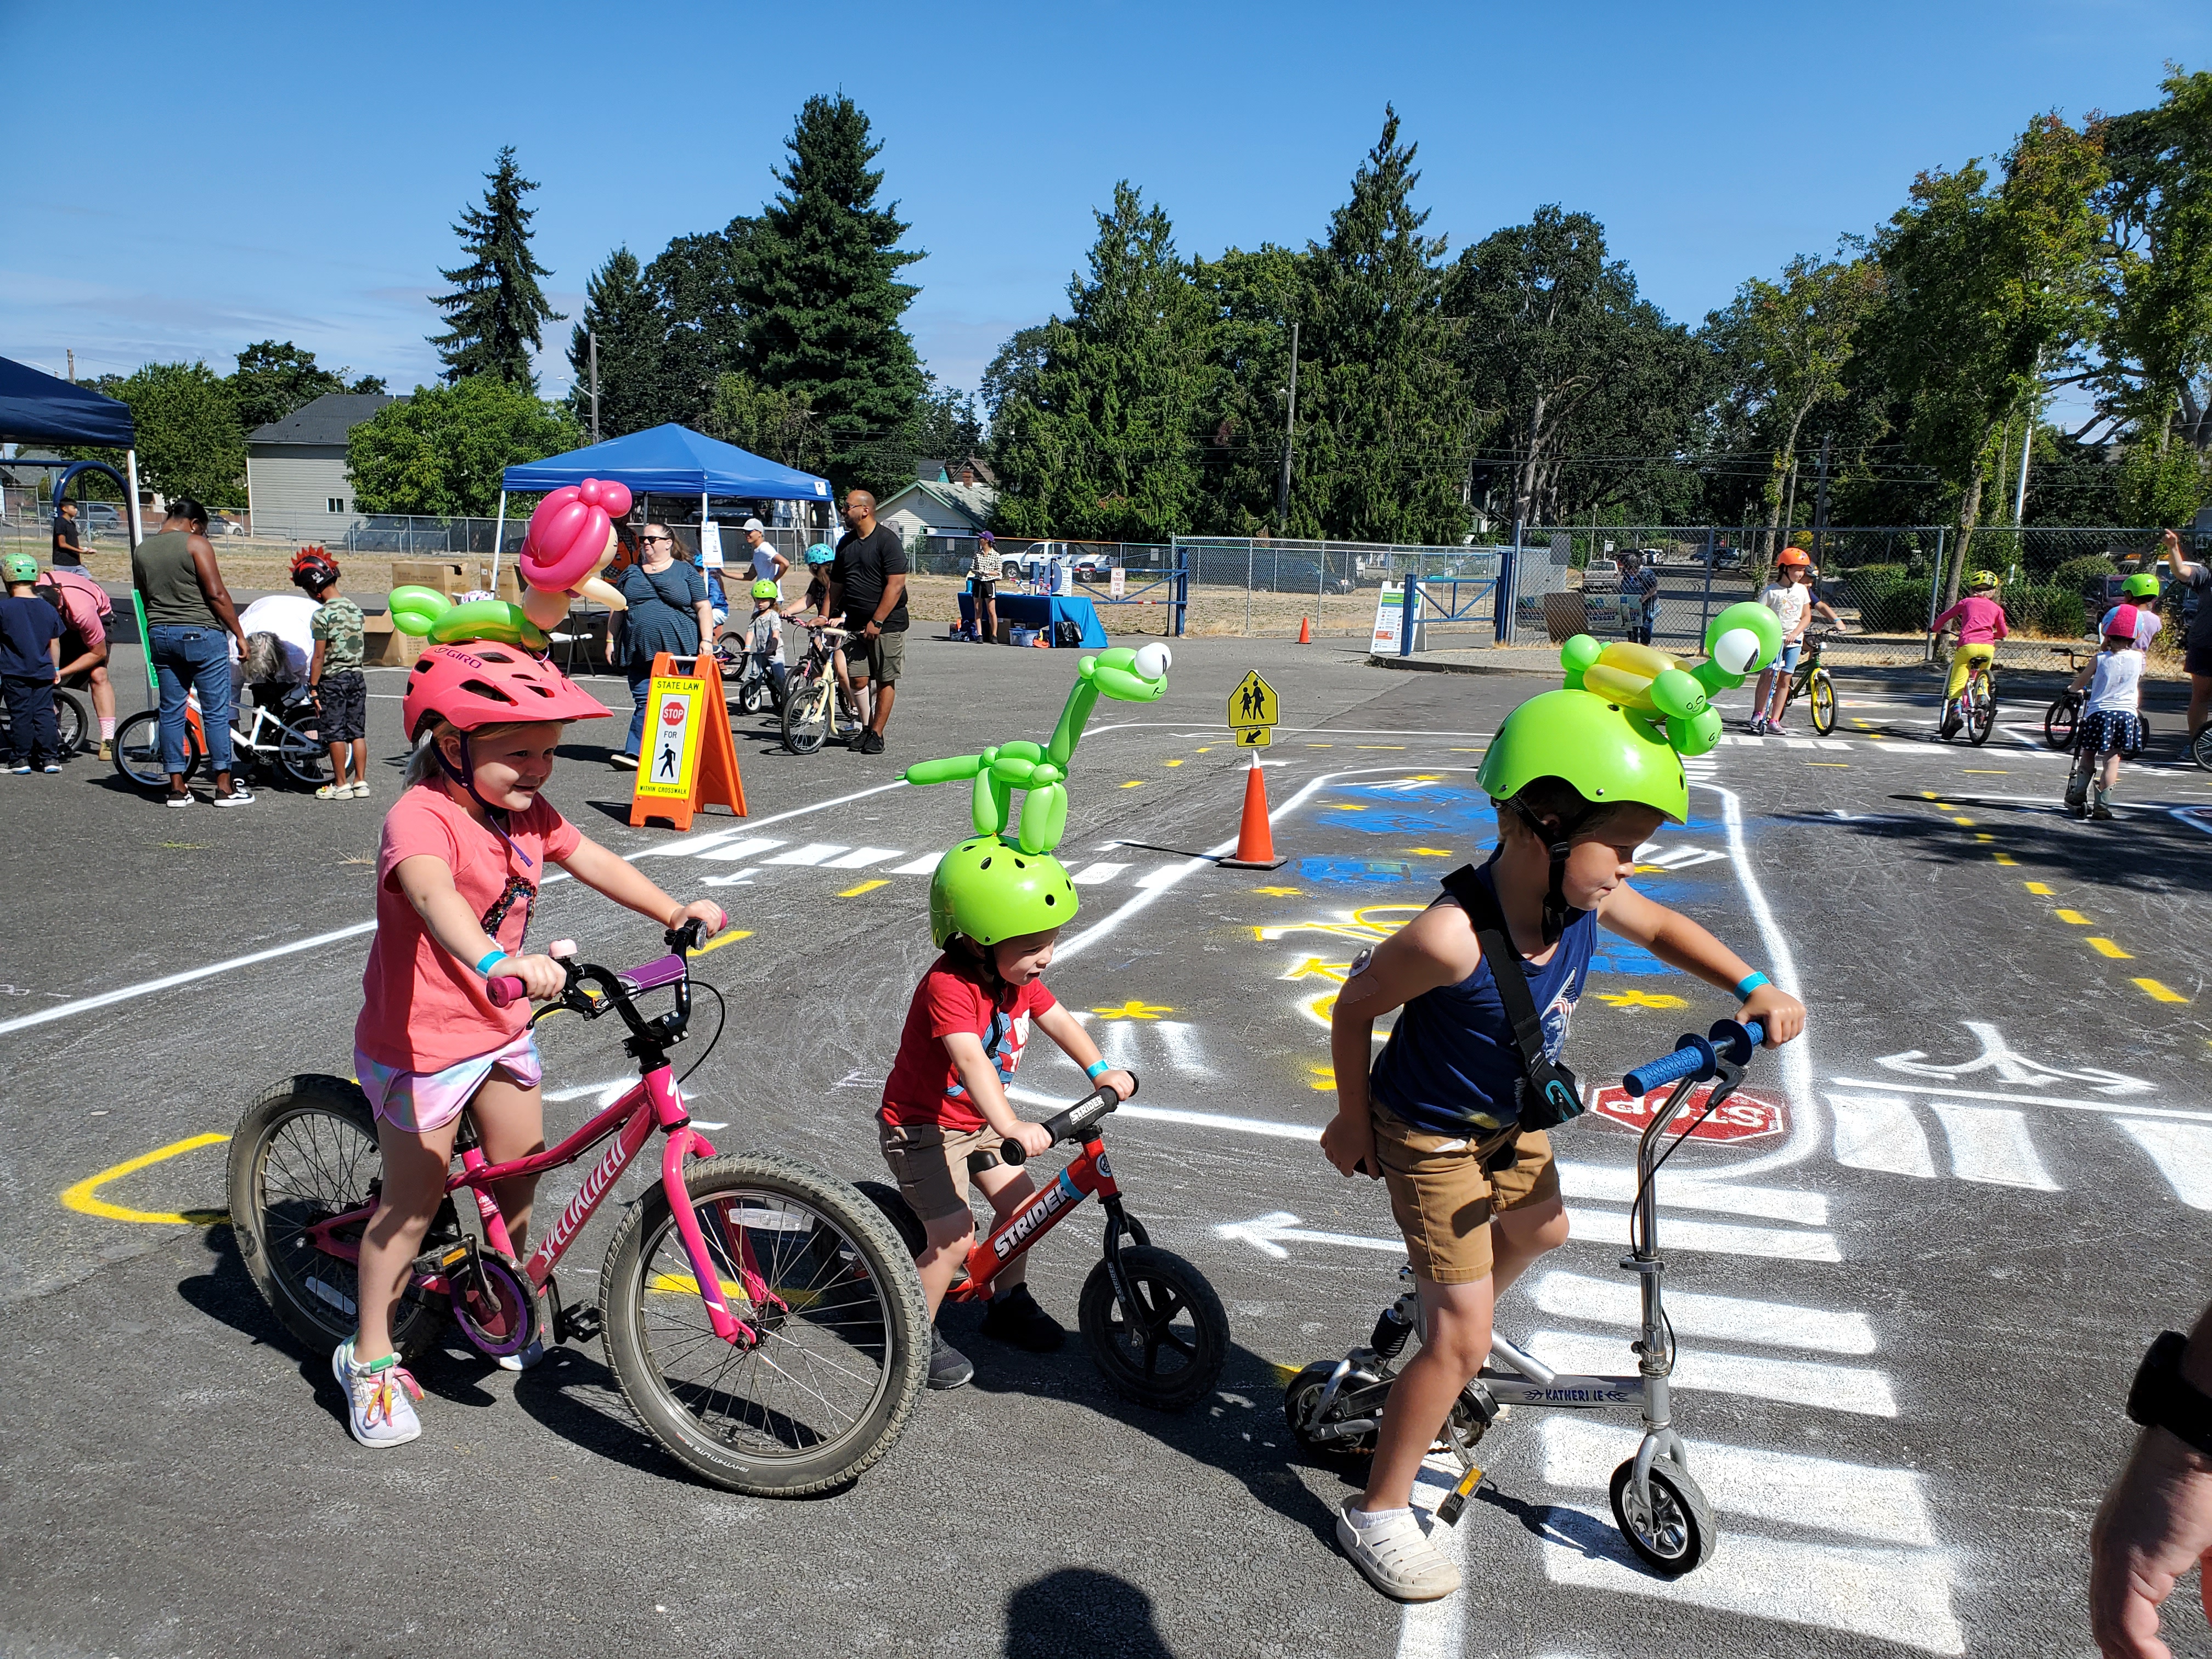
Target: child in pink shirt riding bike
1981, 623
464, 852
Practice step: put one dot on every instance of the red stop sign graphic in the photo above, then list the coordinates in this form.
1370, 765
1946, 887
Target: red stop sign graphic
1744, 1115
672, 713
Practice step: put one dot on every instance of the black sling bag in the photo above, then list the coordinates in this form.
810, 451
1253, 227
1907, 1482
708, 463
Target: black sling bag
1549, 1094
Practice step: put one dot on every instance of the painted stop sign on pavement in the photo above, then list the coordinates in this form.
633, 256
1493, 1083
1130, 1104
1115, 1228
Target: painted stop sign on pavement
1744, 1115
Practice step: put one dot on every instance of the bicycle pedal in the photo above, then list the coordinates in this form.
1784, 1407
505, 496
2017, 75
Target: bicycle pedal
1455, 1504
578, 1325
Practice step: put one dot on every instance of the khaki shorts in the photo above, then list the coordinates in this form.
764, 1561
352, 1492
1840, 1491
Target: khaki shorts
1444, 1203
930, 1163
878, 659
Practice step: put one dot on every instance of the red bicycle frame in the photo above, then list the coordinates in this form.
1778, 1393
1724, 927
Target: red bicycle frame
1052, 1204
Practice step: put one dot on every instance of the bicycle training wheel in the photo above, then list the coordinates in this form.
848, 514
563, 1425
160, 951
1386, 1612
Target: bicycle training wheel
302, 755
1675, 1532
2060, 720
843, 1348
806, 715
1822, 692
138, 751
1167, 1350
304, 1152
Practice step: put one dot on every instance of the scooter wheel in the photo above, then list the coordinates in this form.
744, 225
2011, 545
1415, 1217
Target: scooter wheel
1299, 1395
1676, 1532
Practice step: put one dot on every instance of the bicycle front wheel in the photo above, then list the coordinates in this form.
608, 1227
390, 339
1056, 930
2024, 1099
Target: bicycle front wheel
138, 751
70, 721
304, 1152
2200, 749
806, 715
1823, 694
2060, 720
842, 1347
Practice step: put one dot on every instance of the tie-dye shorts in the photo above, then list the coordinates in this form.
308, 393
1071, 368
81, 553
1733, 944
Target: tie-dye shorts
422, 1103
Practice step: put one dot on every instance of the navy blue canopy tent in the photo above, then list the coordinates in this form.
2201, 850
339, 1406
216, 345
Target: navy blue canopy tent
663, 460
36, 408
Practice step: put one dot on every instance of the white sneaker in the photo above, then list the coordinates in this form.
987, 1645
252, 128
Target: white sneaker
1397, 1556
380, 1398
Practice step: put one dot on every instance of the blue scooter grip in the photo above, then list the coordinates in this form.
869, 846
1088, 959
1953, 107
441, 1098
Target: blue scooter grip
1696, 1057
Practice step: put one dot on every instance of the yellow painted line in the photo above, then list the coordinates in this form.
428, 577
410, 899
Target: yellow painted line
2072, 918
729, 936
2105, 947
1968, 822
2008, 860
1378, 745
1310, 745
2037, 887
1827, 763
1209, 750
1987, 772
2159, 992
1456, 750
1174, 763
84, 1197
1984, 835
1280, 892
1928, 794
864, 887
1134, 783
1431, 852
1639, 999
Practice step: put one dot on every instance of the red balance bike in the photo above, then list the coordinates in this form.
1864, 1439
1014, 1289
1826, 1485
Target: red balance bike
1152, 1324
760, 1319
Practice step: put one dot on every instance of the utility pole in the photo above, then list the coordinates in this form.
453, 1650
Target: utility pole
1820, 500
1789, 509
1290, 429
592, 340
72, 365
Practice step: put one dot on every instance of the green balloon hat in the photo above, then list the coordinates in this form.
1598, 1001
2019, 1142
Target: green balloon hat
1003, 882
1628, 713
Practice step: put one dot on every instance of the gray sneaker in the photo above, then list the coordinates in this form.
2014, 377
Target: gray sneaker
1397, 1556
949, 1368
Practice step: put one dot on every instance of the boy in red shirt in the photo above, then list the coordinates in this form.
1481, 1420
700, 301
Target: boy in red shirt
995, 911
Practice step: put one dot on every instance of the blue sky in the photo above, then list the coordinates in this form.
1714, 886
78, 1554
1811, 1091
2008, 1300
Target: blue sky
248, 171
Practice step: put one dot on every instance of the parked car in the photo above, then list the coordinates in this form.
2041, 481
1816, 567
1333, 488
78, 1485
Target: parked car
218, 525
1088, 564
100, 518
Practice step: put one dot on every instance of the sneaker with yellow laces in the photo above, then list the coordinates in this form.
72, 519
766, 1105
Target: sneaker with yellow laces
380, 1398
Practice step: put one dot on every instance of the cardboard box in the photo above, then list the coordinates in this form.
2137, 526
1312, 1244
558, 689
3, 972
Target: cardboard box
383, 646
448, 577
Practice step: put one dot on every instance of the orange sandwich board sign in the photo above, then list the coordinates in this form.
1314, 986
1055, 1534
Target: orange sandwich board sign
689, 761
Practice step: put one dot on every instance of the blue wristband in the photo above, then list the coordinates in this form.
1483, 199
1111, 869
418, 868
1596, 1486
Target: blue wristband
1095, 1069
491, 960
1749, 983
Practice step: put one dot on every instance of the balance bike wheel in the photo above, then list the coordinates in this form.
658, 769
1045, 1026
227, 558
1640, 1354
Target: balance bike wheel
1676, 1532
1167, 1350
1299, 1395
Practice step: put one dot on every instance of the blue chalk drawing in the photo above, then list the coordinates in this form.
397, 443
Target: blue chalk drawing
1616, 956
1369, 872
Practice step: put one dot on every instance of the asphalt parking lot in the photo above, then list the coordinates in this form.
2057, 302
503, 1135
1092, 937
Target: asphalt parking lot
1910, 1291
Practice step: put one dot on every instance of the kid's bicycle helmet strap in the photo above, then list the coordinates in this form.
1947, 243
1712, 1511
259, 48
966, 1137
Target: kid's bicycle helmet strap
465, 776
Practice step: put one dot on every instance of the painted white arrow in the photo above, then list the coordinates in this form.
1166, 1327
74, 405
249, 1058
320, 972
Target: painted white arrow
1263, 1232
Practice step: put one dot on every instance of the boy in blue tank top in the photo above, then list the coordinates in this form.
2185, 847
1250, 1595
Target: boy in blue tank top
1578, 785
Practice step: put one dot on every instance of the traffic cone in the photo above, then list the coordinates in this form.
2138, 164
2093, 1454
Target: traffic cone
1256, 846
1305, 630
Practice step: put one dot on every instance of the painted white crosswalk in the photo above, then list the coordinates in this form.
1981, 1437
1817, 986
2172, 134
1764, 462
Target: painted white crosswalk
2182, 1151
1851, 1388
1724, 1238
1616, 1183
1727, 1318
1990, 1145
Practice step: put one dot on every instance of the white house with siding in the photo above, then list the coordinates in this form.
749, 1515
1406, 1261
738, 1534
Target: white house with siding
295, 468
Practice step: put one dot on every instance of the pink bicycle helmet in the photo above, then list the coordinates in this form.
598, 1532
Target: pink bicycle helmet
486, 684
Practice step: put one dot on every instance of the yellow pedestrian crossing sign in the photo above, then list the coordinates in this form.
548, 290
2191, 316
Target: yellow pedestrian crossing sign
1253, 712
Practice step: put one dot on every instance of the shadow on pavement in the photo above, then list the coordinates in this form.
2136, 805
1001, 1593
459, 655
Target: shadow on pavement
1081, 1610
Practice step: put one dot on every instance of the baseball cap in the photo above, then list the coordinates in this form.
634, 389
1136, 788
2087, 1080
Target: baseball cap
986, 535
754, 524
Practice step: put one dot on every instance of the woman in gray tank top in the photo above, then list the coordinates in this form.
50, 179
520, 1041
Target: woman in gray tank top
188, 612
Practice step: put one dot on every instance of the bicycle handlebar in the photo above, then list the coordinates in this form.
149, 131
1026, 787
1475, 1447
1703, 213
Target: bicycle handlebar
1074, 1123
505, 989
1697, 1057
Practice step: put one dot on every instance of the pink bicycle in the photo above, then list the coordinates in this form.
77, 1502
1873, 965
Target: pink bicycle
764, 1321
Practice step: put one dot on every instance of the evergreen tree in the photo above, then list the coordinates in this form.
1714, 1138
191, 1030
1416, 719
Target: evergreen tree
496, 313
1381, 438
1253, 298
816, 283
620, 309
1102, 444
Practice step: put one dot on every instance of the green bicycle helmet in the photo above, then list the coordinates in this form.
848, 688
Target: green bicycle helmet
23, 567
765, 589
2143, 585
991, 891
821, 553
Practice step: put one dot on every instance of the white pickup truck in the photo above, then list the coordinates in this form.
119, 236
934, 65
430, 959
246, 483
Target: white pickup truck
1087, 564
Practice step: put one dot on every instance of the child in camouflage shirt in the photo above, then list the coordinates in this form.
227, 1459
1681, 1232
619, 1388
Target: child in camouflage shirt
341, 691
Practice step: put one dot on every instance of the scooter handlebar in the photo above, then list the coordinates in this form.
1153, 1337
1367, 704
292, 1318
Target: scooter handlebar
1696, 1057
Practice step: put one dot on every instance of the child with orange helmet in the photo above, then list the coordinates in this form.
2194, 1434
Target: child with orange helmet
463, 851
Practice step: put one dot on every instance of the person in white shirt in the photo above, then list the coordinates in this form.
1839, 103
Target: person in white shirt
1789, 597
767, 562
290, 618
2111, 725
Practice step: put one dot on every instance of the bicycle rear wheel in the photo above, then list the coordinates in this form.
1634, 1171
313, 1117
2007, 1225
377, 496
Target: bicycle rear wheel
806, 714
1981, 718
138, 751
2200, 749
838, 1365
304, 1151
1823, 694
302, 755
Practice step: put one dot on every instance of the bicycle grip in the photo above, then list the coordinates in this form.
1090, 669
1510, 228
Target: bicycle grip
1010, 1152
503, 989
1691, 1060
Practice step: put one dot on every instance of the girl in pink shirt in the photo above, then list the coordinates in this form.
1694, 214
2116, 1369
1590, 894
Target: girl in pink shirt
1981, 623
464, 854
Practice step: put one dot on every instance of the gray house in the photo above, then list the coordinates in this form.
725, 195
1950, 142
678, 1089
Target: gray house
295, 468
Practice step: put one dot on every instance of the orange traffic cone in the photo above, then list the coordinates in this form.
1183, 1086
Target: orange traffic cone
1256, 846
1305, 630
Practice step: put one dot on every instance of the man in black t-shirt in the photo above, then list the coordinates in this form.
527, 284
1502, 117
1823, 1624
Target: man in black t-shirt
868, 584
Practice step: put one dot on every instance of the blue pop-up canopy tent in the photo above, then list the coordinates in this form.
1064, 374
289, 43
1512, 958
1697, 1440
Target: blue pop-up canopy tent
37, 408
663, 460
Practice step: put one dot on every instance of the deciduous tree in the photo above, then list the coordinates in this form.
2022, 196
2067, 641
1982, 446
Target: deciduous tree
441, 452
272, 380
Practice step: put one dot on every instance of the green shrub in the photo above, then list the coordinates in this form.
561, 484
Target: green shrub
2078, 575
1893, 604
2050, 608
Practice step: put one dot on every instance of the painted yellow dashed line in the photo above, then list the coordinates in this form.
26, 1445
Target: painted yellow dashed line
84, 1197
2039, 889
2008, 860
2105, 947
1134, 783
2158, 993
729, 937
1828, 763
2072, 918
864, 887
1174, 763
